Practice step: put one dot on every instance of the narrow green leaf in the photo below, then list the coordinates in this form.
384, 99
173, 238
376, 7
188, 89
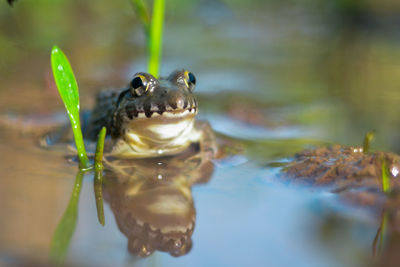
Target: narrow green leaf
66, 227
98, 175
98, 158
369, 137
385, 177
68, 89
156, 33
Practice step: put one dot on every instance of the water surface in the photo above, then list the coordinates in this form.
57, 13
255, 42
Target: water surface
277, 79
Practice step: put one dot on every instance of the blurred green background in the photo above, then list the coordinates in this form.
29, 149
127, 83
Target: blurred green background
333, 65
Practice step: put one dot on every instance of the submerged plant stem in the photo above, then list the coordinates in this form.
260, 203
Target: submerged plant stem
155, 40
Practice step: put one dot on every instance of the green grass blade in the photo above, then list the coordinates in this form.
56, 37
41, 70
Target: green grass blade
66, 227
369, 137
98, 176
68, 89
385, 177
98, 157
155, 42
143, 14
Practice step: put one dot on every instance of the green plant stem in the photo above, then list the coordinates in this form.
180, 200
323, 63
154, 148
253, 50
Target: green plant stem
369, 137
98, 157
66, 227
69, 92
385, 177
156, 33
98, 176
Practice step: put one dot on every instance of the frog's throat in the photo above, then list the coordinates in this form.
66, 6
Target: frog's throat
152, 139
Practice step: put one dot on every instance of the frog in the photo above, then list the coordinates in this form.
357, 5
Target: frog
156, 151
151, 117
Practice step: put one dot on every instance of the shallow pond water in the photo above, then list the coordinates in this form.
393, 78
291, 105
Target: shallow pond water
274, 79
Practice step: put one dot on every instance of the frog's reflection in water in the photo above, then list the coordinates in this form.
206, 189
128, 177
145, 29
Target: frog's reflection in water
152, 201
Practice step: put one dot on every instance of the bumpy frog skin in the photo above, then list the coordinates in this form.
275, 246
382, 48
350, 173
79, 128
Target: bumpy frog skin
153, 117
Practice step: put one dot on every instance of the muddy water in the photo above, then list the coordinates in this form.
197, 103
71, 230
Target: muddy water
274, 79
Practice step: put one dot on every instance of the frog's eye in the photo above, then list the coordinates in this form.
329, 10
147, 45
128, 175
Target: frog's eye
139, 85
190, 80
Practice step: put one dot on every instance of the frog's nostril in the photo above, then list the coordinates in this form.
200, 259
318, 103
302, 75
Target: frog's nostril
174, 100
177, 100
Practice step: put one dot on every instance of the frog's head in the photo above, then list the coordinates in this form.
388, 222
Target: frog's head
155, 116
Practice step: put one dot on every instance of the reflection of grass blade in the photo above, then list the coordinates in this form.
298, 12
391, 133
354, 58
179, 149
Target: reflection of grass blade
98, 193
143, 14
68, 89
383, 231
66, 227
155, 42
98, 176
377, 245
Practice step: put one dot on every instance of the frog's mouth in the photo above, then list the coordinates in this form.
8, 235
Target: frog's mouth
166, 114
159, 134
175, 104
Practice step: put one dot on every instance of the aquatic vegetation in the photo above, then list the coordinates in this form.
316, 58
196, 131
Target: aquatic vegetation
155, 41
69, 92
98, 175
68, 89
342, 167
377, 245
385, 177
66, 227
153, 31
369, 137
98, 158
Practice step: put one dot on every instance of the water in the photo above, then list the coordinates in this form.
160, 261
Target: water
312, 80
